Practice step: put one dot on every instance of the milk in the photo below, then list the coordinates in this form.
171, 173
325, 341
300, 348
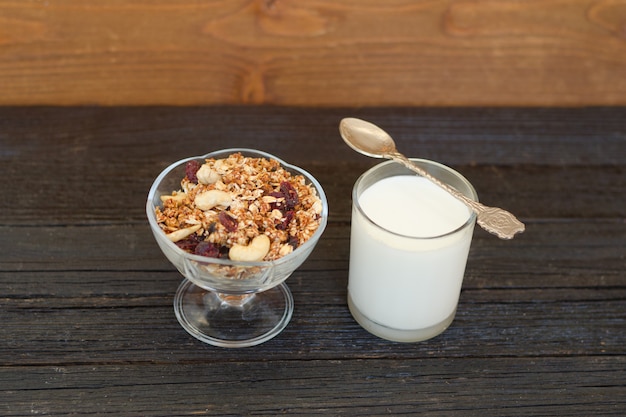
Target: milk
409, 246
412, 206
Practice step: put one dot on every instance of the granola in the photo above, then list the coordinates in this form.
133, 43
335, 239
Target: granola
225, 206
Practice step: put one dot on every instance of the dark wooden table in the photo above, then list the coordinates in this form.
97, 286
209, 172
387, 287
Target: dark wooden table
87, 324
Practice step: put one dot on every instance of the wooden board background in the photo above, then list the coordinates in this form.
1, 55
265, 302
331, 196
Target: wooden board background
87, 326
313, 52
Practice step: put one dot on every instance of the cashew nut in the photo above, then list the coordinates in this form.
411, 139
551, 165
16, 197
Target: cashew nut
212, 198
177, 198
276, 214
180, 234
255, 251
206, 175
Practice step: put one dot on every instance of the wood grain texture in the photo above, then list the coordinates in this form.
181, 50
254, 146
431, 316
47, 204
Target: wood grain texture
437, 387
87, 322
314, 52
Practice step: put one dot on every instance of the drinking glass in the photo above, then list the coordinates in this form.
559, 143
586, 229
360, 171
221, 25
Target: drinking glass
231, 303
405, 288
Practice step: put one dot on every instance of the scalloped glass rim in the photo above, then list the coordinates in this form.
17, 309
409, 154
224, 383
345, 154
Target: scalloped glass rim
150, 209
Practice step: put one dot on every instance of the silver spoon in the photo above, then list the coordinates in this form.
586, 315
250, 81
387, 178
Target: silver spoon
370, 140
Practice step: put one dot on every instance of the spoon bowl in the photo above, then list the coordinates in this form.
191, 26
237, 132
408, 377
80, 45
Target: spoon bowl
366, 138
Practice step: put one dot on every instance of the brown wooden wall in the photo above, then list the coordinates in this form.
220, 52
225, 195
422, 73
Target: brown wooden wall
313, 52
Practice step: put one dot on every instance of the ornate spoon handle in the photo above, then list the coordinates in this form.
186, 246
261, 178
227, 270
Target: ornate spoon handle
493, 219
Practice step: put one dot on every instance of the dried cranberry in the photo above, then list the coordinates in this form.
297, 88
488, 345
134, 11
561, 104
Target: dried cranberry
290, 193
224, 252
293, 241
191, 169
230, 223
189, 243
285, 221
207, 249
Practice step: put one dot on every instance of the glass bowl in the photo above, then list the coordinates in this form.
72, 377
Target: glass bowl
231, 303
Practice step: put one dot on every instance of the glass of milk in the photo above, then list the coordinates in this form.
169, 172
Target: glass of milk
408, 249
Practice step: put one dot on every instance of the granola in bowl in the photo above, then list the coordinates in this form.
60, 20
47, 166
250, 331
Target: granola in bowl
241, 208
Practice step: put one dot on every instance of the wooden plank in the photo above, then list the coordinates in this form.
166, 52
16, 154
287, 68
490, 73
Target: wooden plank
439, 387
328, 53
70, 336
456, 136
101, 194
549, 253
